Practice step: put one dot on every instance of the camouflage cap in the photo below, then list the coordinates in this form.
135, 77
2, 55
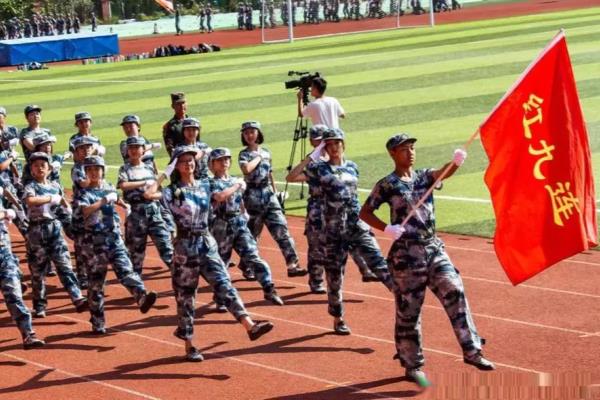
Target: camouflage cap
43, 138
32, 108
317, 131
135, 141
93, 161
178, 97
131, 119
181, 150
399, 139
39, 155
83, 140
219, 152
190, 123
3, 111
334, 134
250, 124
82, 116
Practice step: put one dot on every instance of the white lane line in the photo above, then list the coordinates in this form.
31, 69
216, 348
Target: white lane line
240, 360
70, 81
387, 239
83, 378
492, 317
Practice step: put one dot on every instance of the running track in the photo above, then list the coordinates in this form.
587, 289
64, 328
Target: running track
544, 332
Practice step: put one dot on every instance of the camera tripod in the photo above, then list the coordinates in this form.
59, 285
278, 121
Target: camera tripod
300, 134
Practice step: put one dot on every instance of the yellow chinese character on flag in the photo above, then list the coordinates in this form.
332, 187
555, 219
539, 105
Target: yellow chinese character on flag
533, 104
547, 150
563, 202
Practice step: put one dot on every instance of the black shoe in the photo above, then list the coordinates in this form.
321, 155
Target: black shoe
194, 355
147, 301
318, 289
249, 274
81, 305
32, 342
52, 272
98, 331
417, 376
39, 313
340, 328
296, 271
370, 277
231, 264
480, 362
260, 328
221, 308
274, 298
83, 285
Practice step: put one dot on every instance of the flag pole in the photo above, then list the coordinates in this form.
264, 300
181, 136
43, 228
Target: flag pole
438, 180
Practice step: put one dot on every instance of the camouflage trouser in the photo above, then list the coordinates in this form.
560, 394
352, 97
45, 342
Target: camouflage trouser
10, 282
194, 257
233, 234
146, 220
338, 242
21, 220
84, 253
108, 248
416, 266
66, 221
46, 244
264, 209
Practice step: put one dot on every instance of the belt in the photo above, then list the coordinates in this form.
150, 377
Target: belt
257, 185
41, 221
229, 215
188, 234
421, 241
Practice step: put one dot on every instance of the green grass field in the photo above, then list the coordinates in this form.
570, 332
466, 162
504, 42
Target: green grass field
438, 84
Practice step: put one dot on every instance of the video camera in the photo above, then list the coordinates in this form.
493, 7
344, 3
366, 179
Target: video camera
303, 82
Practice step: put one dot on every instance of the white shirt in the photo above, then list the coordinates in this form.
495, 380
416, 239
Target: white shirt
325, 110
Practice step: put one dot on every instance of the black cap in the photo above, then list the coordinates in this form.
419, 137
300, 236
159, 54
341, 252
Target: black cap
399, 139
131, 119
31, 108
178, 97
80, 116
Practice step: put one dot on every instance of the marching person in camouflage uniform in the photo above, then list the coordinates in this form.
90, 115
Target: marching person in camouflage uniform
173, 130
45, 242
9, 172
10, 283
96, 204
260, 199
82, 147
314, 224
44, 143
230, 227
145, 219
337, 179
83, 122
131, 125
33, 114
191, 137
196, 252
418, 259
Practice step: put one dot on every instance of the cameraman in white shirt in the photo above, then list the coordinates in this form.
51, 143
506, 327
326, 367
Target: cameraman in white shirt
323, 110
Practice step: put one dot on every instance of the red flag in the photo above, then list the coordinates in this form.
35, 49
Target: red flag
540, 172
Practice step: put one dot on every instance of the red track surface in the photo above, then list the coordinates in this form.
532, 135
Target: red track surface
547, 325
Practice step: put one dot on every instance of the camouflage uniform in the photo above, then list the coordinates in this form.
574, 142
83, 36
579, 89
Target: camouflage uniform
196, 254
77, 135
103, 229
82, 244
147, 158
231, 231
173, 133
262, 204
418, 261
27, 133
144, 220
201, 170
342, 228
10, 282
45, 243
9, 178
